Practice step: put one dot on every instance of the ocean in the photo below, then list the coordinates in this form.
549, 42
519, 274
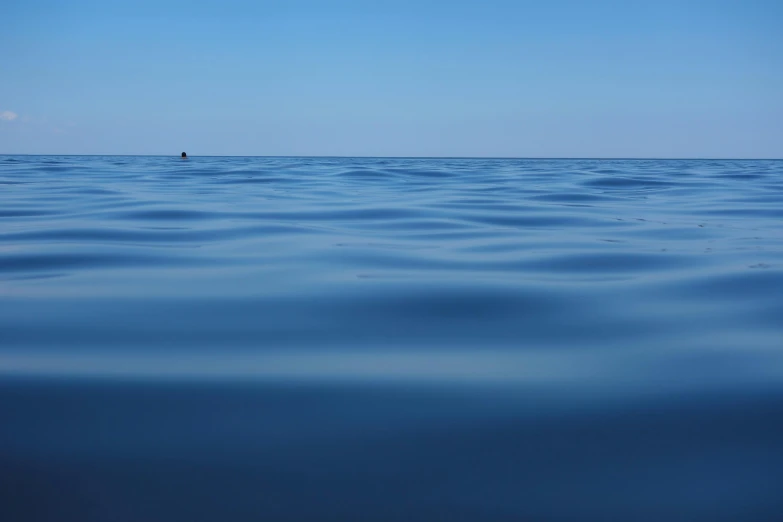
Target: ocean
378, 339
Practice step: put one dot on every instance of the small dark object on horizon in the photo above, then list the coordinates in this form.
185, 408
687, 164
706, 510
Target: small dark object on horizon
184, 155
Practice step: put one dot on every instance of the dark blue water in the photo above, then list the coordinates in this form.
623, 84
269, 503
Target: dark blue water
390, 339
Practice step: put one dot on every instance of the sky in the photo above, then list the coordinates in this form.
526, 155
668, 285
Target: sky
492, 78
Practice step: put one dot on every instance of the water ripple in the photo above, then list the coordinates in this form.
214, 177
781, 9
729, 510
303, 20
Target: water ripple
335, 332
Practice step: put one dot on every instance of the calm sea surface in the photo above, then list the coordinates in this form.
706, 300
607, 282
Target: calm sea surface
390, 339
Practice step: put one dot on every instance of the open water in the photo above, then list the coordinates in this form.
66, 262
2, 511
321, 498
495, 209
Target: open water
300, 339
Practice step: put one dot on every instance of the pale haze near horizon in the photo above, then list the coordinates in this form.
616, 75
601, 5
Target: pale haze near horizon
516, 79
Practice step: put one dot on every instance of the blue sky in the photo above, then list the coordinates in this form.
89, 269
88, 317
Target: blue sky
458, 78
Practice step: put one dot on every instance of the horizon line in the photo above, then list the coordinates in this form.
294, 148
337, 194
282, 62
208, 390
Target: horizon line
695, 158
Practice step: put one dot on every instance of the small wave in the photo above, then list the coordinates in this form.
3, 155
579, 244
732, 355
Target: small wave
620, 183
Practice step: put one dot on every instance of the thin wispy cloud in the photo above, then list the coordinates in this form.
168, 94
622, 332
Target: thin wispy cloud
8, 116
